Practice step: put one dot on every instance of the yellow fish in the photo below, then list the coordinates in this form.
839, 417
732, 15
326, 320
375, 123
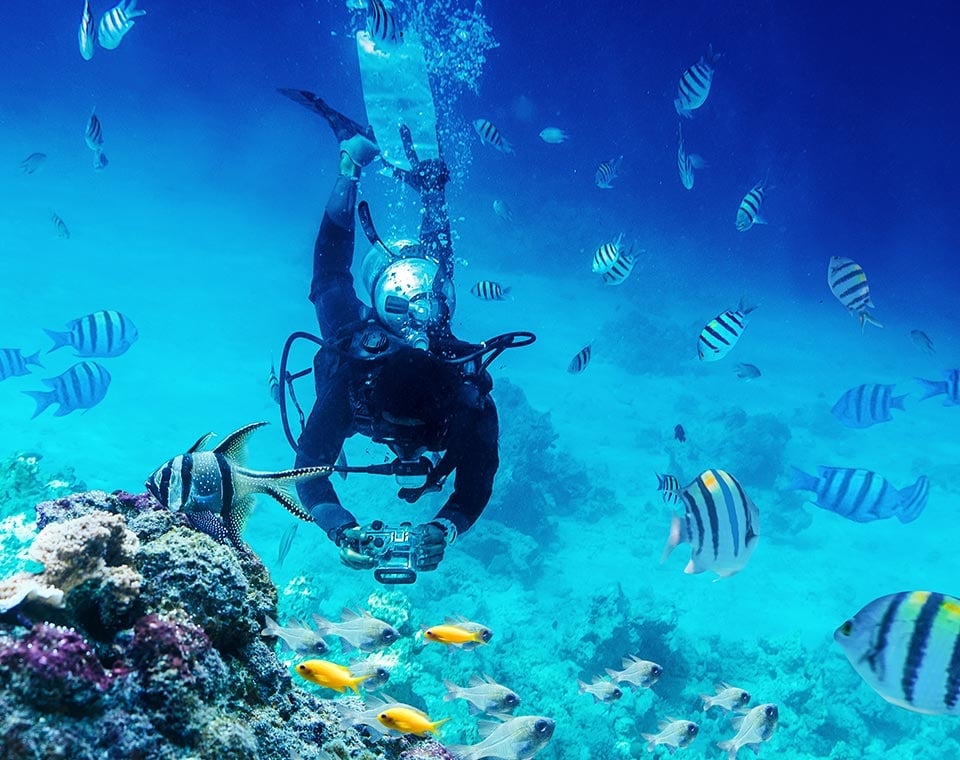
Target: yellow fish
330, 675
459, 633
409, 720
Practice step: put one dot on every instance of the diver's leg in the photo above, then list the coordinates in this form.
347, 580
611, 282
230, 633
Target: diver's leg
343, 127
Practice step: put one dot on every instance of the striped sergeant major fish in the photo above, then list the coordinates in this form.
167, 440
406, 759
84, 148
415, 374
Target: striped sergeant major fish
867, 405
905, 646
87, 34
381, 24
488, 290
59, 226
687, 163
720, 522
695, 84
848, 283
861, 495
490, 135
949, 387
722, 332
83, 386
94, 132
116, 22
607, 172
922, 341
669, 486
32, 162
607, 255
749, 212
216, 491
101, 334
620, 270
579, 362
14, 364
273, 385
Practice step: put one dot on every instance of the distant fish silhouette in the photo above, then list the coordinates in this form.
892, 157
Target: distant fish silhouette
679, 433
32, 162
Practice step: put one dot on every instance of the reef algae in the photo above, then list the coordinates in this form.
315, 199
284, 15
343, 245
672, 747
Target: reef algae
147, 646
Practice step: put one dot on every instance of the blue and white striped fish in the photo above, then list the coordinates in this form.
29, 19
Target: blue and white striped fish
950, 387
381, 24
216, 491
579, 362
116, 22
83, 386
607, 172
695, 84
14, 364
669, 485
720, 522
848, 283
102, 333
94, 132
722, 332
906, 646
488, 290
687, 163
862, 495
867, 405
59, 226
273, 385
607, 255
620, 270
749, 212
87, 34
490, 135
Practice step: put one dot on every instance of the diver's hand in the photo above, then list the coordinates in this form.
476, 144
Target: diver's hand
350, 554
430, 547
424, 176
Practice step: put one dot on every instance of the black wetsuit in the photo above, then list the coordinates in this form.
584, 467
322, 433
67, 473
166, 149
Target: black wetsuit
366, 379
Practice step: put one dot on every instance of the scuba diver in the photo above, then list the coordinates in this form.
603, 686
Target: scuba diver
394, 372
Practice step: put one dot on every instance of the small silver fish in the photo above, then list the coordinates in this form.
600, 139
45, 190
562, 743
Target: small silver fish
503, 211
87, 33
296, 636
747, 371
602, 689
674, 735
516, 739
753, 728
728, 697
920, 339
553, 135
286, 541
375, 668
483, 695
637, 672
32, 162
358, 631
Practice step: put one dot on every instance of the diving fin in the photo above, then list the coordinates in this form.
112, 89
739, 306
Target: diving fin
343, 126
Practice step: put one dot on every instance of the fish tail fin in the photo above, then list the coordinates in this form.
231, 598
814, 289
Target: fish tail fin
707, 701
931, 387
651, 740
453, 691
507, 147
697, 161
802, 481
744, 306
33, 359
59, 338
355, 682
913, 500
277, 485
681, 111
729, 747
865, 318
677, 536
896, 402
43, 399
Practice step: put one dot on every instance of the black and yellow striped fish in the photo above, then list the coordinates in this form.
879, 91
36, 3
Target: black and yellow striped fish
490, 135
606, 255
749, 212
381, 24
695, 84
848, 283
488, 290
722, 332
906, 646
579, 362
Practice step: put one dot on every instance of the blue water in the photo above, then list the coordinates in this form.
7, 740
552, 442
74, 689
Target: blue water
201, 230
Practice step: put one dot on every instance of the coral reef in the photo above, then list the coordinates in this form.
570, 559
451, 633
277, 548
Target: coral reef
140, 639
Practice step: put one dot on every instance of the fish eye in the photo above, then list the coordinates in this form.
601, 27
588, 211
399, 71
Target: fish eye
656, 670
486, 635
541, 726
771, 712
744, 696
617, 693
847, 628
384, 717
511, 699
692, 729
383, 674
389, 634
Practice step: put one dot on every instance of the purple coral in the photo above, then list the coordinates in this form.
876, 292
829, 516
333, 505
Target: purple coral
428, 750
165, 646
55, 669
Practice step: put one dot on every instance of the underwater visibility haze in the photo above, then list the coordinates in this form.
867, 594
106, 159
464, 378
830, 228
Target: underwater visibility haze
707, 255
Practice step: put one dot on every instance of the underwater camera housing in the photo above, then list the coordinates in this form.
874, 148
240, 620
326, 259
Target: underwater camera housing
393, 549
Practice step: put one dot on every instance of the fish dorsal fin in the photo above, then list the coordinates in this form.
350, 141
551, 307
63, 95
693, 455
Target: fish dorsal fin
489, 679
347, 614
234, 445
487, 727
476, 680
201, 442
374, 702
454, 620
